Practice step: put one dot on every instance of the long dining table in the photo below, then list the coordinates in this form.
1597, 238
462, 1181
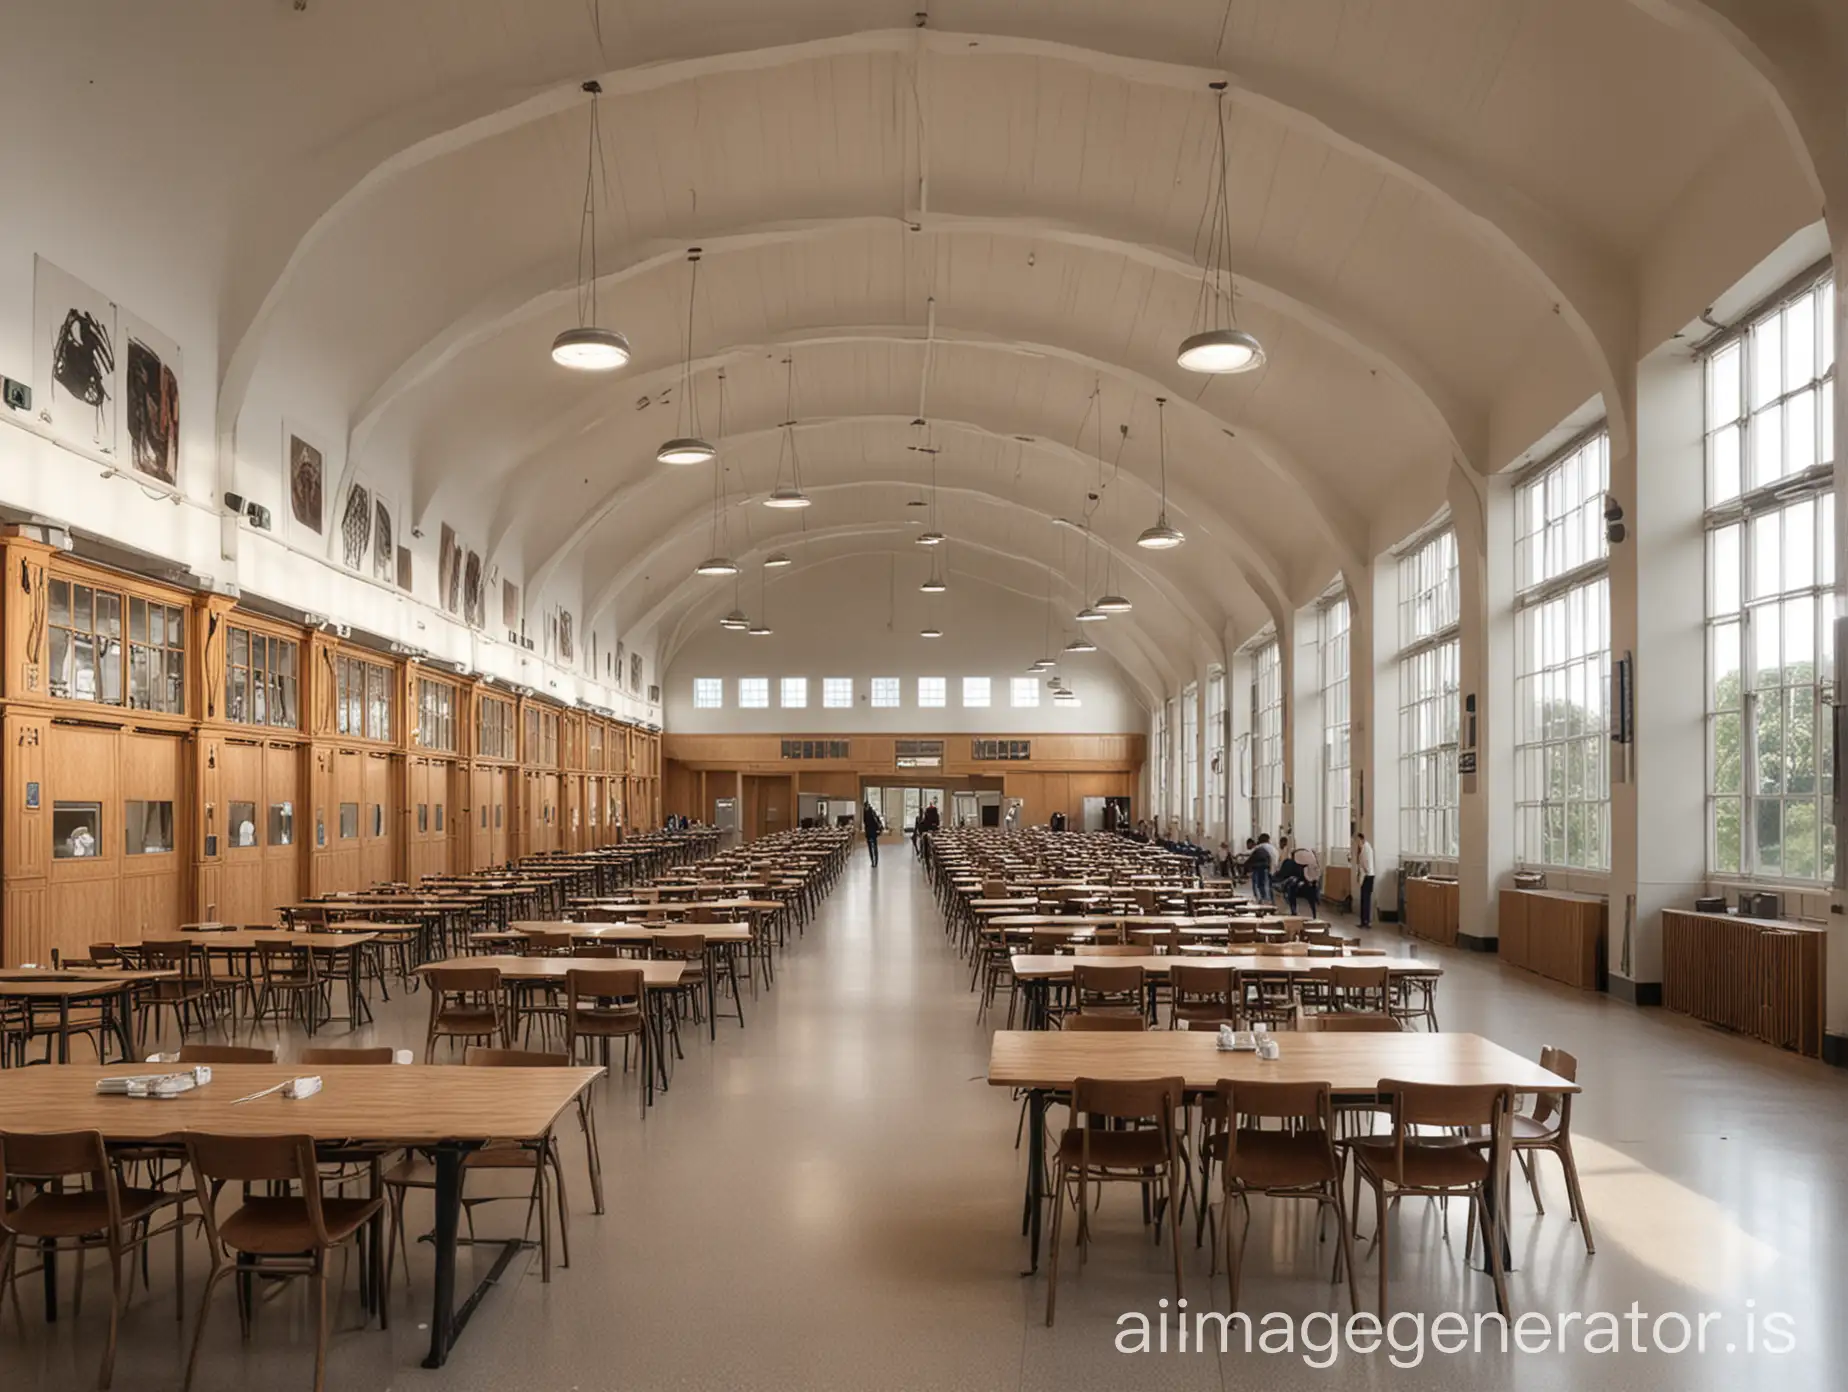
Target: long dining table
60, 988
447, 1110
1042, 1062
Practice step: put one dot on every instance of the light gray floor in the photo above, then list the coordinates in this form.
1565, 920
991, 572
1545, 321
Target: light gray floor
831, 1199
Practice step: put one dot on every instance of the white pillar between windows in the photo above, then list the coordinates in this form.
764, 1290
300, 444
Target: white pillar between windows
1376, 745
1286, 691
1481, 513
1658, 614
1361, 706
1836, 1000
1303, 755
1239, 751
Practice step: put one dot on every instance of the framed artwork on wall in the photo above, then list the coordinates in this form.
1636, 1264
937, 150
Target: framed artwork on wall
306, 465
356, 527
76, 357
150, 395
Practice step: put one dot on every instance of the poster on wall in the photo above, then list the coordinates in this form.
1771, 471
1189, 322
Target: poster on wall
404, 568
474, 593
384, 542
635, 673
75, 353
566, 646
510, 606
356, 527
306, 468
150, 395
449, 571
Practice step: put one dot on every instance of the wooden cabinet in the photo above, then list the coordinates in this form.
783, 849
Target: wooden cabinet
1431, 909
1554, 934
1759, 977
1338, 883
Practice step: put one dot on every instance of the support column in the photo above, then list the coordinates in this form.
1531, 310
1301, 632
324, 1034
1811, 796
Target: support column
1835, 1013
1481, 514
1375, 746
1302, 754
1286, 678
1658, 617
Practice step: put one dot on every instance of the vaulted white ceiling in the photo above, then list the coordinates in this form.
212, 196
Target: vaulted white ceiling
987, 216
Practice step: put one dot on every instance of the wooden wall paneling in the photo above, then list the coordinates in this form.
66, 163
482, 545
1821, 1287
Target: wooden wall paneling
83, 765
287, 838
236, 773
24, 602
155, 894
381, 854
25, 837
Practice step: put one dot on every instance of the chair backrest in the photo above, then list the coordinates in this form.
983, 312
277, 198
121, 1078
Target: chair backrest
686, 947
335, 1056
105, 954
254, 1160
1104, 1024
1261, 1101
1445, 1104
1244, 933
279, 957
1351, 1022
1276, 949
478, 1057
1095, 948
1095, 979
1129, 1099
604, 983
1190, 979
227, 1053
548, 944
49, 1155
1566, 1066
463, 980
705, 913
1346, 977
1044, 942
602, 950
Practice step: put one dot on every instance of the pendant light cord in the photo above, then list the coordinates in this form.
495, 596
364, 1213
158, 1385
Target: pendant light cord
1216, 308
689, 404
1161, 431
587, 216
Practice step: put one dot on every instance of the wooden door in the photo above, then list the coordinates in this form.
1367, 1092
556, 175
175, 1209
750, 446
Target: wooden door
378, 840
242, 804
151, 897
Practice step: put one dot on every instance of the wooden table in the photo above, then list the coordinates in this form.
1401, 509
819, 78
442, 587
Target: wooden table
327, 942
60, 987
1353, 1065
448, 1110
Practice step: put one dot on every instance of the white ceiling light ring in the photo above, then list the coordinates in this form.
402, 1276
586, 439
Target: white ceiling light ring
716, 565
589, 347
690, 447
1162, 536
930, 633
776, 560
735, 622
1217, 346
686, 449
1113, 604
1090, 614
787, 496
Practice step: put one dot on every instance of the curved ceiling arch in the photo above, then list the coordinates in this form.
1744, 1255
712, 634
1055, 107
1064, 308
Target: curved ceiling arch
1203, 629
542, 292
1593, 288
1255, 568
1333, 519
1151, 672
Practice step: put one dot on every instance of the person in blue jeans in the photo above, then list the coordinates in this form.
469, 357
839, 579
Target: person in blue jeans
1263, 863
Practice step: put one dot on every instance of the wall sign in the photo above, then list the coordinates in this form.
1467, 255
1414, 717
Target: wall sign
32, 795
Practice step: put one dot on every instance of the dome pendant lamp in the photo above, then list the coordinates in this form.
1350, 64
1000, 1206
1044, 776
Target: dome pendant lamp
1162, 537
590, 347
689, 448
788, 494
1218, 346
720, 561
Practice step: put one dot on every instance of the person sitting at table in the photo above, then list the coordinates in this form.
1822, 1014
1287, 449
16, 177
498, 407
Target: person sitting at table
1302, 878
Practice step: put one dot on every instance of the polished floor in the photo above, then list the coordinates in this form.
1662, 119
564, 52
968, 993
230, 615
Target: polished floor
831, 1199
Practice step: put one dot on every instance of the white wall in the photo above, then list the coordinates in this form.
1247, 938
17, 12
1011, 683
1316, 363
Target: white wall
845, 618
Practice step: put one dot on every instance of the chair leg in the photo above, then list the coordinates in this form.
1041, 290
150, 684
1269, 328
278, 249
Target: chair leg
1380, 1211
1344, 1256
218, 1273
320, 1321
1058, 1228
1526, 1158
1570, 1165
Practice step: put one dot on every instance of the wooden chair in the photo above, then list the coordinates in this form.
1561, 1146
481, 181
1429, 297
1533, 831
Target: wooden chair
1141, 1147
1201, 993
271, 1235
102, 1215
1404, 1163
348, 1056
226, 1053
189, 994
1414, 999
1294, 1161
1349, 1022
1358, 988
1548, 1128
541, 1158
290, 984
608, 1003
696, 980
465, 1003
1108, 990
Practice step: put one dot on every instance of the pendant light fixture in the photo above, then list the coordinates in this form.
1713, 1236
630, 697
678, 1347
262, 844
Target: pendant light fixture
1081, 644
590, 347
788, 494
776, 560
1217, 345
930, 536
1162, 537
930, 632
735, 622
720, 561
1110, 602
688, 448
762, 629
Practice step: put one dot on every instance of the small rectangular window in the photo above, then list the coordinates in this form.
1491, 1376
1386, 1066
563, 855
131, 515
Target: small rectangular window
975, 691
76, 830
349, 820
439, 816
754, 693
243, 825
795, 693
932, 691
282, 824
1023, 692
378, 819
423, 816
148, 828
708, 693
885, 693
837, 693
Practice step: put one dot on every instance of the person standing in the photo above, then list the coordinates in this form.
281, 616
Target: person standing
1309, 880
1363, 866
869, 819
1263, 862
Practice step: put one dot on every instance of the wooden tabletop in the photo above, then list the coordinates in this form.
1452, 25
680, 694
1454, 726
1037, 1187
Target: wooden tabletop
17, 983
1350, 1063
655, 975
404, 1105
249, 939
1028, 967
628, 932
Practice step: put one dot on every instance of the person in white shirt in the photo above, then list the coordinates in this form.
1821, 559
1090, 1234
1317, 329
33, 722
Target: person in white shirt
1363, 865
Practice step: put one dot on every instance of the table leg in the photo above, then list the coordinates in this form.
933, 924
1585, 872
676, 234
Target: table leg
1036, 1165
64, 1029
125, 1022
448, 1219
